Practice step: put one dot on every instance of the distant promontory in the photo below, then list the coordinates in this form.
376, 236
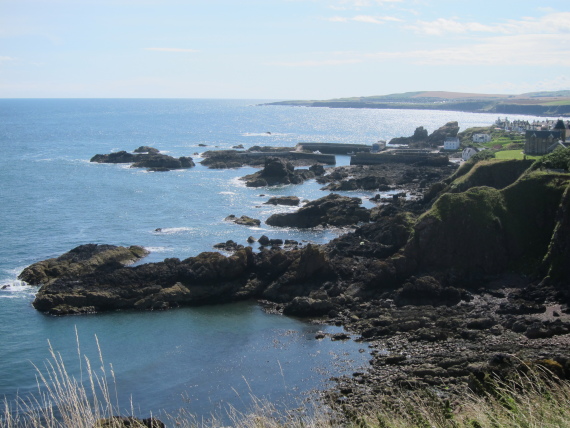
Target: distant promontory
533, 103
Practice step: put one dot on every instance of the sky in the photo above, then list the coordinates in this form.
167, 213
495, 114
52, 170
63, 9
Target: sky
280, 49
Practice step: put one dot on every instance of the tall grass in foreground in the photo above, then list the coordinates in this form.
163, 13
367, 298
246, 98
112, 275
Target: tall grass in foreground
62, 400
531, 399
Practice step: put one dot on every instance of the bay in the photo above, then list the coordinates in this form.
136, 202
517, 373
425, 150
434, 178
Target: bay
53, 199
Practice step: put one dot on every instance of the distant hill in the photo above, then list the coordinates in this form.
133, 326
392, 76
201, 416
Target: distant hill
533, 103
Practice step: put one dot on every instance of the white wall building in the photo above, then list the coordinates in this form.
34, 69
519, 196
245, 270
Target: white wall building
481, 138
468, 152
451, 143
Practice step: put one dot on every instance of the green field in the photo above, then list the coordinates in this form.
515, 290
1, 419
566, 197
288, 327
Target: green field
558, 103
513, 154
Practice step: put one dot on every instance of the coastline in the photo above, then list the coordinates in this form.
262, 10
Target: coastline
431, 323
467, 107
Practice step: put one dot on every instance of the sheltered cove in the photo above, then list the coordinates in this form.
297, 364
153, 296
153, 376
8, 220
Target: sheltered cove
438, 286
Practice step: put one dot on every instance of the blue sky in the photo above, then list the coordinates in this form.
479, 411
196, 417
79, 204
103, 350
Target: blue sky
280, 49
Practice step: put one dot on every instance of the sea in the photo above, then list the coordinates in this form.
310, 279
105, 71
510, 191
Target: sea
200, 360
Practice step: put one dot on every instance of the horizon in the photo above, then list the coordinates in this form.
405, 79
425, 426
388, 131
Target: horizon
279, 50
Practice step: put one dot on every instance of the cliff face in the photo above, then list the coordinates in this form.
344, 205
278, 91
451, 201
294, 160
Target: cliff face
484, 230
556, 264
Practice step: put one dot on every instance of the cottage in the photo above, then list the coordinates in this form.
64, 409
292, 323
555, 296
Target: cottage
468, 152
481, 138
539, 143
451, 143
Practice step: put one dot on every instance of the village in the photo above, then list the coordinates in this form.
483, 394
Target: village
511, 139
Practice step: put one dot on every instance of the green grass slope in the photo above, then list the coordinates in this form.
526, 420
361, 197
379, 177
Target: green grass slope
484, 230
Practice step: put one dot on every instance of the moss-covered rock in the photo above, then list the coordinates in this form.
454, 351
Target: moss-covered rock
485, 230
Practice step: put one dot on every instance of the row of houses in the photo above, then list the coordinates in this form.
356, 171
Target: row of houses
524, 125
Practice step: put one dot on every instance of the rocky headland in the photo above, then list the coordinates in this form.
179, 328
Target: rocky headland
146, 157
469, 278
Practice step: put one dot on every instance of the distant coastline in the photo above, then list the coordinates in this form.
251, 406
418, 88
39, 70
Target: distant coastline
555, 104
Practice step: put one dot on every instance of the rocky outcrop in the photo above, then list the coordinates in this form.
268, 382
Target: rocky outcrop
437, 137
206, 278
331, 210
365, 183
422, 139
413, 179
284, 200
146, 157
147, 149
160, 162
82, 260
256, 156
275, 172
243, 220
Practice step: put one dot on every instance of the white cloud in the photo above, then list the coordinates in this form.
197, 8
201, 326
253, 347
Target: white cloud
172, 50
365, 18
445, 26
6, 58
317, 63
357, 4
535, 50
547, 24
548, 50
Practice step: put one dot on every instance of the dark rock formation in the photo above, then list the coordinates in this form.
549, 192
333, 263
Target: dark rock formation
164, 162
229, 246
117, 157
421, 138
382, 238
277, 171
365, 183
284, 200
243, 220
331, 210
437, 137
146, 157
414, 179
206, 278
147, 149
82, 260
256, 156
426, 291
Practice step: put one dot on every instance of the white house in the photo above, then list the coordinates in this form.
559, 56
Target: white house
468, 152
481, 138
451, 143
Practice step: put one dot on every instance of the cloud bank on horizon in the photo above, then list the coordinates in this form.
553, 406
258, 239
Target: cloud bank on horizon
280, 49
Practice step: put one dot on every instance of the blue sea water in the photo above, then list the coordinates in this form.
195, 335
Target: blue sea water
53, 199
